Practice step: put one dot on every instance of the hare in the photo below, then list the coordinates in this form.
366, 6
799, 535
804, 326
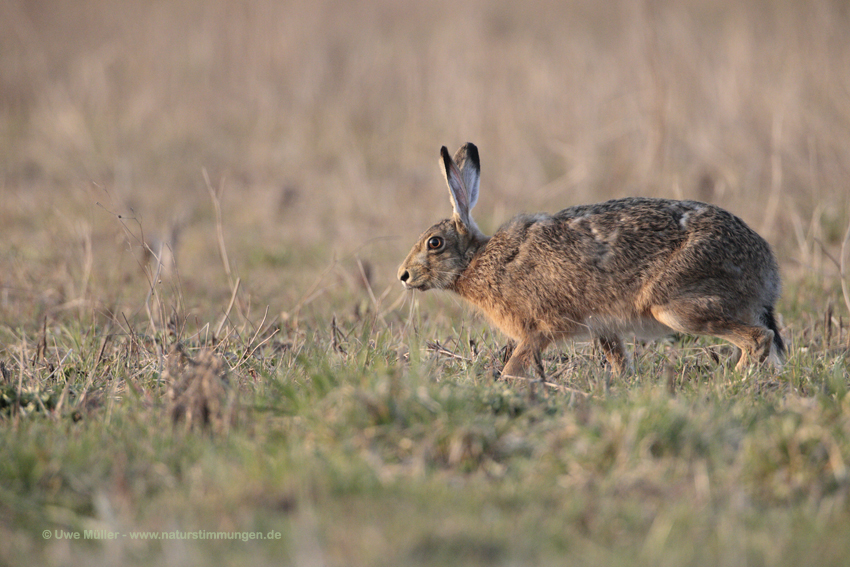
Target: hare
635, 266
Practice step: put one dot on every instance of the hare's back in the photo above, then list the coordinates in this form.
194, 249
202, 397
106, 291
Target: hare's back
619, 247
665, 225
673, 243
644, 215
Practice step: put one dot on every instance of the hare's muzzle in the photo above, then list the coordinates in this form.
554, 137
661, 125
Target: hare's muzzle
408, 280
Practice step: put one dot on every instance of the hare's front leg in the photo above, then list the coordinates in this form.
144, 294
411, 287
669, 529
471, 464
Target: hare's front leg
526, 353
615, 353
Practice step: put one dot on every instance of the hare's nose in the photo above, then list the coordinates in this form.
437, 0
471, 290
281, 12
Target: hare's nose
403, 275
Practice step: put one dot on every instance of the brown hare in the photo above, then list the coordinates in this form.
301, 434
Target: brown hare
635, 266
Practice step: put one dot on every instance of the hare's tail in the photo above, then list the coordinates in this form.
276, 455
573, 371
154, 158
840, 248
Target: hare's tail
769, 319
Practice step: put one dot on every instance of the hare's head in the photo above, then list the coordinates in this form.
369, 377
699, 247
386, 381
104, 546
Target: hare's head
443, 251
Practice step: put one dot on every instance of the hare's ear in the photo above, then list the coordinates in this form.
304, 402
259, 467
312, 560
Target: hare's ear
460, 180
469, 165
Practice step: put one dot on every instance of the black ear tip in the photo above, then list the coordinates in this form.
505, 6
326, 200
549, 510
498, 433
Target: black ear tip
444, 153
472, 155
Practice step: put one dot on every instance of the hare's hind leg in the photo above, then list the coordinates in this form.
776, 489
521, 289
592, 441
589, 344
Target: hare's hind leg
753, 341
699, 317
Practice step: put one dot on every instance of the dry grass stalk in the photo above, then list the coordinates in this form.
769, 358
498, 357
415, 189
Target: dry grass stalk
199, 391
844, 276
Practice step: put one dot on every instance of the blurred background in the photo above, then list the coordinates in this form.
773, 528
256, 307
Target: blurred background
319, 123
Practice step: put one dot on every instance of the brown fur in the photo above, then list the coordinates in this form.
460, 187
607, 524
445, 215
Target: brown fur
634, 266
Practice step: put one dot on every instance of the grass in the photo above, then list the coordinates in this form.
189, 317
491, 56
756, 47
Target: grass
378, 448
268, 376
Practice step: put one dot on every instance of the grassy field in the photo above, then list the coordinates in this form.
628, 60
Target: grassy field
202, 209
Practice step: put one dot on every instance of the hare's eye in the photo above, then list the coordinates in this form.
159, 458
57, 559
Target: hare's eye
435, 242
